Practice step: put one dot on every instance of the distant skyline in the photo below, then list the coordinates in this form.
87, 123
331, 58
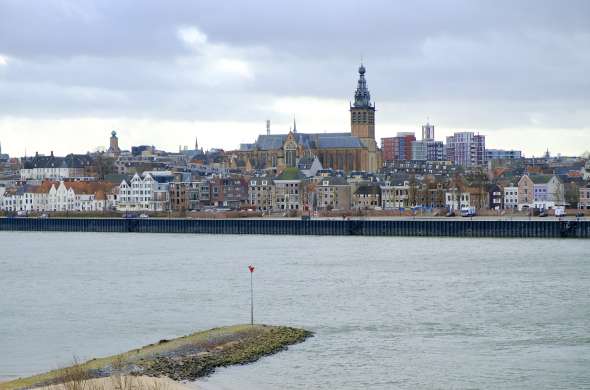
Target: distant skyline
163, 73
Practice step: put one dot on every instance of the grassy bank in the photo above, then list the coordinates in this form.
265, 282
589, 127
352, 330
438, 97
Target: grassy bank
184, 358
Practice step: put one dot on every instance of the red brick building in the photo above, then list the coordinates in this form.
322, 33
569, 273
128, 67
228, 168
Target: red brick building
398, 148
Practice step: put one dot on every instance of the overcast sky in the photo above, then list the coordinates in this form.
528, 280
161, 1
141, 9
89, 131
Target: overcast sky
165, 72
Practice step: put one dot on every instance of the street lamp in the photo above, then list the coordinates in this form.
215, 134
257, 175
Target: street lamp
251, 269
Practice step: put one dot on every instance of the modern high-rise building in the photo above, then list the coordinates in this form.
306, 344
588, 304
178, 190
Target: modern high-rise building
466, 149
427, 132
435, 151
399, 147
420, 150
429, 150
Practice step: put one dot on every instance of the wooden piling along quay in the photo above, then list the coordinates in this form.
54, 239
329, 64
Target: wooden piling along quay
417, 228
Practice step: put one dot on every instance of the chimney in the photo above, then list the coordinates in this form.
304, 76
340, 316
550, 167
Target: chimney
268, 127
52, 153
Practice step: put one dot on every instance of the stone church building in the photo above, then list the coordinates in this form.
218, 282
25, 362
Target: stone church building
351, 151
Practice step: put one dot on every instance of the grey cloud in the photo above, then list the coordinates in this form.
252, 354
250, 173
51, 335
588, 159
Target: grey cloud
124, 58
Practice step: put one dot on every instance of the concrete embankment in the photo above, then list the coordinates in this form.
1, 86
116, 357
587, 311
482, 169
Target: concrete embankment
355, 227
185, 358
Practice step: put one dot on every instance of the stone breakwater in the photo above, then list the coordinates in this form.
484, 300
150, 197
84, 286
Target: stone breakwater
404, 227
185, 358
195, 361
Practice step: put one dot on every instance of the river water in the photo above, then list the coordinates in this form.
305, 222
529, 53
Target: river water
388, 313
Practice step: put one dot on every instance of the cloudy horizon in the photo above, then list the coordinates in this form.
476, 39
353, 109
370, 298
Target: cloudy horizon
165, 73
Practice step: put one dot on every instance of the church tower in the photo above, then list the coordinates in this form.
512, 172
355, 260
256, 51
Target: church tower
362, 123
114, 144
362, 112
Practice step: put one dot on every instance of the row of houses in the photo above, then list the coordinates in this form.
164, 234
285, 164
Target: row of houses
541, 192
289, 191
58, 197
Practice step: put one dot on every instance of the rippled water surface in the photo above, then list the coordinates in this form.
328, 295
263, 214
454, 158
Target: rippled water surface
389, 313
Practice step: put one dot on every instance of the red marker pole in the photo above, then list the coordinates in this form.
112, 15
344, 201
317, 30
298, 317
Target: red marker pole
251, 269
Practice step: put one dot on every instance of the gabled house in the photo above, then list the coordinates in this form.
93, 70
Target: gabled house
137, 194
367, 196
526, 193
548, 191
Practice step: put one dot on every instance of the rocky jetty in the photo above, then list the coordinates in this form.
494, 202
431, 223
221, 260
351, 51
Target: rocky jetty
185, 358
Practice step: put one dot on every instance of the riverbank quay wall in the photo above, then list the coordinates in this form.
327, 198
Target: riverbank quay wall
409, 228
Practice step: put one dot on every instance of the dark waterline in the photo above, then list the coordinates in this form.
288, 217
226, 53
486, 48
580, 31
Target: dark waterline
388, 312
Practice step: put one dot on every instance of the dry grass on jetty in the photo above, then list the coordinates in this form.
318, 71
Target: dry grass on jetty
185, 358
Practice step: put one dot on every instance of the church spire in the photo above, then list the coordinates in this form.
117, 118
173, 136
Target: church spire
362, 96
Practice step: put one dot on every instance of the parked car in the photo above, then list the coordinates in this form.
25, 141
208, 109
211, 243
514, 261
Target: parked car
450, 214
543, 214
143, 216
44, 216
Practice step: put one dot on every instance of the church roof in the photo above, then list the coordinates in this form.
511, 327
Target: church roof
270, 142
339, 142
305, 162
307, 140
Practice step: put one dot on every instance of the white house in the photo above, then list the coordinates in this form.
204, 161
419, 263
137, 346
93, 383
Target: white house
150, 193
135, 195
8, 200
55, 168
394, 196
548, 191
510, 197
60, 198
456, 200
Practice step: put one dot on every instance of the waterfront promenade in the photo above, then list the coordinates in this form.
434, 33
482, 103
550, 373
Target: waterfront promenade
536, 228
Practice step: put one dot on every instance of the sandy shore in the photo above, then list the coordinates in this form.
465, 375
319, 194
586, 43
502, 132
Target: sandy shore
131, 383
